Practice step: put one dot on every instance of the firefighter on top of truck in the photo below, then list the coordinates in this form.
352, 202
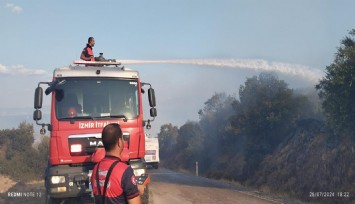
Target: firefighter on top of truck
87, 54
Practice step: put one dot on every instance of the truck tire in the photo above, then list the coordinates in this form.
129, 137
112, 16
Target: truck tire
77, 200
50, 200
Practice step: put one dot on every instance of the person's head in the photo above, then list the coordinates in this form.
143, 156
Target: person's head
112, 138
91, 41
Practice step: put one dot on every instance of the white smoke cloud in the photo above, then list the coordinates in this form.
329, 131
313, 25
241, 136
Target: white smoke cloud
14, 8
20, 69
3, 69
254, 64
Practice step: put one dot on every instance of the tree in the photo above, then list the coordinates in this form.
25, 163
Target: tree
20, 139
219, 142
167, 141
189, 144
21, 160
43, 154
266, 111
337, 88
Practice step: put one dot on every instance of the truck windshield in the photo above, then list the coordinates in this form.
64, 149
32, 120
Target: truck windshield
93, 98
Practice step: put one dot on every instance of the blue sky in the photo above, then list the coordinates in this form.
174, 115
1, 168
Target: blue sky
39, 35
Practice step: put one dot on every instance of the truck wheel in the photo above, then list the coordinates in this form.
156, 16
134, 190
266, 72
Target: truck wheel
50, 200
156, 166
79, 200
145, 196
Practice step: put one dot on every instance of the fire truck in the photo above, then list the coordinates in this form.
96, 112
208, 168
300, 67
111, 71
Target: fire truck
85, 97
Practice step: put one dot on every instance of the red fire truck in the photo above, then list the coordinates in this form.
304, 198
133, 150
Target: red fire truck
85, 97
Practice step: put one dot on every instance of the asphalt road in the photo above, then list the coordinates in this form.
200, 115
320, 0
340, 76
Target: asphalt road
166, 187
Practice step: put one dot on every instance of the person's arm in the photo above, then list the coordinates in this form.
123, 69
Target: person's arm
84, 54
141, 189
136, 200
129, 186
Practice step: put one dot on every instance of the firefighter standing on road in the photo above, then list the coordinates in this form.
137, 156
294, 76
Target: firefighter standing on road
87, 53
120, 186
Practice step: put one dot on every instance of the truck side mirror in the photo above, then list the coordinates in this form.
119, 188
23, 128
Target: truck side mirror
153, 112
151, 96
37, 115
38, 98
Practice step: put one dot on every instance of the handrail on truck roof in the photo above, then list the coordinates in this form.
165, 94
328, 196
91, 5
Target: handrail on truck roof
96, 63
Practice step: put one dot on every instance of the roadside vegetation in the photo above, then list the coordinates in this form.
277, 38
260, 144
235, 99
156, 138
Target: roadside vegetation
276, 138
21, 158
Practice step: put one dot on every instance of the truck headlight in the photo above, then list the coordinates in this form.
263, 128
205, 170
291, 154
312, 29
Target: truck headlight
139, 172
75, 148
58, 179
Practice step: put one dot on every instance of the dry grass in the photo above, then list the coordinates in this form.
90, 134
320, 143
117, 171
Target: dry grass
6, 183
35, 182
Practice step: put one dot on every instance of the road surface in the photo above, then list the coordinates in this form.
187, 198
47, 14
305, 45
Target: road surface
166, 187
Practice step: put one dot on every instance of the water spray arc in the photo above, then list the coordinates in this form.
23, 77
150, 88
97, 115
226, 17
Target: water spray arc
253, 64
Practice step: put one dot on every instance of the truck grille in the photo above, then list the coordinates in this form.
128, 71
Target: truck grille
88, 142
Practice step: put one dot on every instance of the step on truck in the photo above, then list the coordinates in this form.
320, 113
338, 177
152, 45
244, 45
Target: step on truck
85, 97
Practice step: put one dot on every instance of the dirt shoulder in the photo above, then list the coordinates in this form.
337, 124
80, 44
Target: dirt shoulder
6, 183
19, 192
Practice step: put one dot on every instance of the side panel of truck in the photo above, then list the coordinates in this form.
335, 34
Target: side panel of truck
152, 152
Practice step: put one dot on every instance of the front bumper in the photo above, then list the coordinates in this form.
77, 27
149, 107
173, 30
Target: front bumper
75, 184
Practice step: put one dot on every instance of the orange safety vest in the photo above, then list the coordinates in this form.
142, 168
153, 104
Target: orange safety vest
88, 52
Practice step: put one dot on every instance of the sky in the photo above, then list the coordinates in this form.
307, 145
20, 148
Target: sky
188, 50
